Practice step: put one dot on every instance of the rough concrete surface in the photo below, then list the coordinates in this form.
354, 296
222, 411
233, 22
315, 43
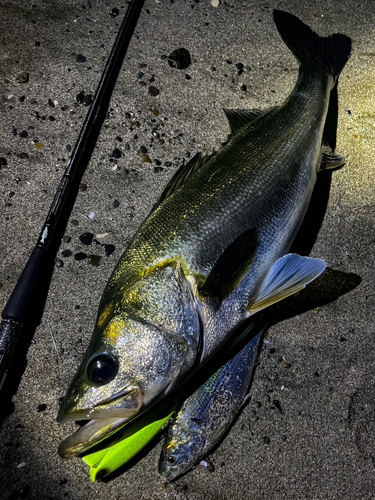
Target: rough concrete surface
319, 366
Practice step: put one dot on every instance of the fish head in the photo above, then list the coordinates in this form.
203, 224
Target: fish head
139, 350
183, 448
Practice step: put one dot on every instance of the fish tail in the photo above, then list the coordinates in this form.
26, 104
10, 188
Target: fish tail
330, 53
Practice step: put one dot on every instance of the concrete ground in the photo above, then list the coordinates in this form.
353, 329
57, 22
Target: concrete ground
318, 440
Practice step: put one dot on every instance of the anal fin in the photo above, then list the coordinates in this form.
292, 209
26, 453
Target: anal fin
290, 274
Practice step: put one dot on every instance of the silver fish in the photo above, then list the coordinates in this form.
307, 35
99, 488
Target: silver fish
195, 269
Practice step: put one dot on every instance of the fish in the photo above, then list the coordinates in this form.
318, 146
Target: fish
234, 377
196, 267
206, 415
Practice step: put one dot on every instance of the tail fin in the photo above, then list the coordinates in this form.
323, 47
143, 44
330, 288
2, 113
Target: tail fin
330, 53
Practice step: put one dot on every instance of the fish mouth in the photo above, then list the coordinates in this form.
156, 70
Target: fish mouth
101, 423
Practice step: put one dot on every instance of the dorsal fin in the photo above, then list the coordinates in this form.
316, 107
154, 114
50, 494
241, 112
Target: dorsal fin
182, 174
238, 118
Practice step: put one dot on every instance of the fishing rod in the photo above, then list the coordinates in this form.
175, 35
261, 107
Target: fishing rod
21, 313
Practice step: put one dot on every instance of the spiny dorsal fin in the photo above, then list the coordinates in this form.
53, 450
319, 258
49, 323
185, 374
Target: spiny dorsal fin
238, 118
287, 276
182, 174
232, 265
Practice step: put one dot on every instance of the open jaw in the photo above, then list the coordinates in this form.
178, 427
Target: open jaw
101, 423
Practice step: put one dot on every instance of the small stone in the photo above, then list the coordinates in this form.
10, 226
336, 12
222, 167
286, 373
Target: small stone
22, 98
179, 58
68, 147
3, 162
143, 149
23, 77
87, 100
23, 156
80, 58
115, 12
116, 203
86, 238
143, 65
37, 44
142, 84
14, 131
239, 66
74, 222
157, 162
50, 103
94, 260
119, 139
243, 88
140, 74
23, 134
109, 249
83, 187
80, 256
188, 77
155, 112
51, 118
146, 159
66, 253
167, 163
158, 169
80, 97
59, 263
153, 91
67, 239
41, 407
116, 153
215, 3
38, 145
266, 440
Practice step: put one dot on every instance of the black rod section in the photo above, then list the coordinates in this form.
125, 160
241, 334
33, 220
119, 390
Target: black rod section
19, 313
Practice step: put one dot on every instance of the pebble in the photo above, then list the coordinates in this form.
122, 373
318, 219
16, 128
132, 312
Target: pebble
23, 77
146, 159
115, 12
101, 236
109, 249
38, 145
59, 263
23, 156
86, 238
215, 3
179, 58
80, 256
116, 153
23, 134
80, 97
87, 100
22, 98
94, 260
50, 103
158, 169
80, 58
74, 222
67, 239
3, 162
243, 88
66, 253
116, 204
153, 91
41, 407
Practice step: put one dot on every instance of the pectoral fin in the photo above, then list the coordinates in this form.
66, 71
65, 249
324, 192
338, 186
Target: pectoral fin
288, 275
232, 265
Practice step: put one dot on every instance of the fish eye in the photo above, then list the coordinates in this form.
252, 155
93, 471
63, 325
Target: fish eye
102, 369
171, 460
